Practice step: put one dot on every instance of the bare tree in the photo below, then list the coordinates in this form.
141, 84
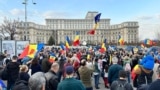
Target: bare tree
9, 27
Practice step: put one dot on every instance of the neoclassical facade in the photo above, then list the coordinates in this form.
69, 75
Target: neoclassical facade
60, 28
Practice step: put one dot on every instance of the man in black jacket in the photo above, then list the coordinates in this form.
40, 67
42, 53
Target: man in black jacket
12, 71
21, 85
51, 77
121, 82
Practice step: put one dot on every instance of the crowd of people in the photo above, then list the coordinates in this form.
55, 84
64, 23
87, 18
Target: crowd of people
76, 69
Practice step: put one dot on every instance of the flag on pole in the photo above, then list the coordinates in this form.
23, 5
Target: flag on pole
121, 41
103, 48
62, 46
76, 41
67, 42
31, 50
97, 20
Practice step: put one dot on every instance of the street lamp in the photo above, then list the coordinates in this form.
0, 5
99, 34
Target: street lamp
25, 28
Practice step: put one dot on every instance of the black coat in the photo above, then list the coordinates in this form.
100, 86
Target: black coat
21, 85
12, 71
52, 80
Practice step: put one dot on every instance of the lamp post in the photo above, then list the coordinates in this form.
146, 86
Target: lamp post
25, 27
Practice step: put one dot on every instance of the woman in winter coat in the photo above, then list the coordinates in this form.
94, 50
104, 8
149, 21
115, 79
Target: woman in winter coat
22, 81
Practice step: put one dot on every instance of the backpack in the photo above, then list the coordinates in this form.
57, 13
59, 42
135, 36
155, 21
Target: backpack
120, 86
127, 67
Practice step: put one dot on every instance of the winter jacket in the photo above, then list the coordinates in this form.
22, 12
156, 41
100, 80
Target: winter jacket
85, 75
113, 72
71, 84
123, 82
35, 68
45, 65
21, 85
13, 71
145, 76
52, 80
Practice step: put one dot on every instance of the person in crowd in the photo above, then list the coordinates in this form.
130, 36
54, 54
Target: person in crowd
45, 63
114, 70
127, 66
13, 72
105, 78
145, 71
156, 84
51, 77
22, 81
37, 81
61, 62
155, 75
70, 83
6, 60
121, 83
68, 63
35, 66
96, 73
85, 75
2, 84
89, 63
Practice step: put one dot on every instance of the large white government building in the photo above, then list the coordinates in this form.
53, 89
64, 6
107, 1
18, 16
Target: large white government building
60, 28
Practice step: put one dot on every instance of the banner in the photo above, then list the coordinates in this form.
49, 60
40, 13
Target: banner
9, 45
20, 46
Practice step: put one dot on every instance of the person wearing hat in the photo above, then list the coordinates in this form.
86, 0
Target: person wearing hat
145, 71
113, 72
70, 83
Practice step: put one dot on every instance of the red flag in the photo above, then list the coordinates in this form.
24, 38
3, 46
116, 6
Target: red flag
92, 32
24, 53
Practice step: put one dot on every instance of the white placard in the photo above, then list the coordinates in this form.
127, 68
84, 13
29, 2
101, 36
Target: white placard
9, 45
20, 46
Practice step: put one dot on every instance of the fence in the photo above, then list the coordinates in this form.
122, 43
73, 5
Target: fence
13, 47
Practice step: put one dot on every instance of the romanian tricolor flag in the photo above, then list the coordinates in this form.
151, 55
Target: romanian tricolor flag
97, 20
67, 42
121, 41
135, 71
31, 50
52, 58
103, 48
76, 41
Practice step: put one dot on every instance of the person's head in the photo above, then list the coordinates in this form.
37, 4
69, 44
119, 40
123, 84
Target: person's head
23, 68
34, 61
5, 51
69, 71
114, 60
14, 58
122, 74
96, 59
55, 67
37, 81
83, 62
